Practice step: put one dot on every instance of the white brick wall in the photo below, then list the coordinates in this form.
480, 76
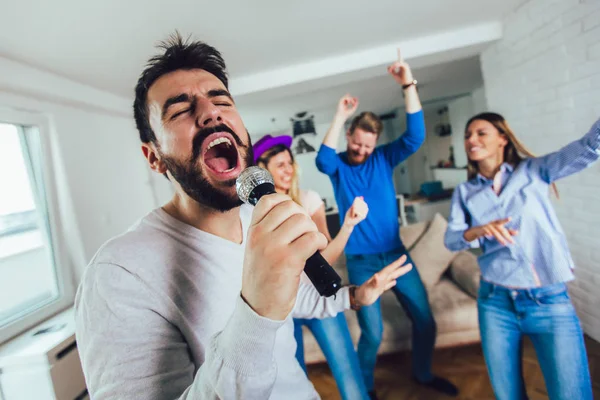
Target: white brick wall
544, 77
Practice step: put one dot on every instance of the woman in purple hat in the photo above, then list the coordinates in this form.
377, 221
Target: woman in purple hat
332, 334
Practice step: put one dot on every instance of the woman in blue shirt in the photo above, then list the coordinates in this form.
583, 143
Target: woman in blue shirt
505, 209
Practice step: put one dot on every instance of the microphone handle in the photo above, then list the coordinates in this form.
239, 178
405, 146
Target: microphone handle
321, 274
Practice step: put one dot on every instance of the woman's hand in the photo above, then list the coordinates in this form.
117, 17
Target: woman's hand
367, 293
356, 213
494, 229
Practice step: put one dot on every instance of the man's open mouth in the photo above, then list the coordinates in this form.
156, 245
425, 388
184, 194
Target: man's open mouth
220, 153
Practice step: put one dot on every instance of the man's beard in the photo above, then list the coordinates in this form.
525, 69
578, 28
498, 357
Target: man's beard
190, 177
355, 159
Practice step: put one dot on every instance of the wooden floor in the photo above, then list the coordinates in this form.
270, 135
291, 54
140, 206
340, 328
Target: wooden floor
464, 366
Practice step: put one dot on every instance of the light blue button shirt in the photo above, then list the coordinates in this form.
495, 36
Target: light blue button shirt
541, 243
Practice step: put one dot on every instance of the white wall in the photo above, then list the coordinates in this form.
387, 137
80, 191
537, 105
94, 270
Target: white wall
437, 147
460, 111
419, 163
544, 77
104, 181
393, 128
479, 100
310, 177
434, 149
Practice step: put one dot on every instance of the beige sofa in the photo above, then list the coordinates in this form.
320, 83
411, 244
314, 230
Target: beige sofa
451, 280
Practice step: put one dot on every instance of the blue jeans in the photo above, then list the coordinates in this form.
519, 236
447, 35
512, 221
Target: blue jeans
547, 316
334, 338
411, 294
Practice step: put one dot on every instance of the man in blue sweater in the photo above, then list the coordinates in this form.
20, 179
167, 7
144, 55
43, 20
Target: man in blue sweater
366, 170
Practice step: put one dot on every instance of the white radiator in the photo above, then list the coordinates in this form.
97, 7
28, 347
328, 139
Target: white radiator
43, 363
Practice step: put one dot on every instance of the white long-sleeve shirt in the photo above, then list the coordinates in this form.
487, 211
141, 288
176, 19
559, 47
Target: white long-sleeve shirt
159, 316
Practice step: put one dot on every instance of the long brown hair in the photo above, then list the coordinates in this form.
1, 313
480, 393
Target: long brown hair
514, 151
264, 159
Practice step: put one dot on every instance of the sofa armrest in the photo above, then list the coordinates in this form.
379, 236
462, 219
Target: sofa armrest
465, 272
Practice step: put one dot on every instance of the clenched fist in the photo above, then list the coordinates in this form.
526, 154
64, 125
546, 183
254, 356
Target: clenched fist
282, 236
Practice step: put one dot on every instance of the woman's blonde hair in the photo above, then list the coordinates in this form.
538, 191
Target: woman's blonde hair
514, 151
264, 159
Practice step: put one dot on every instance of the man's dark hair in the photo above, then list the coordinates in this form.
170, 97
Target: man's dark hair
178, 54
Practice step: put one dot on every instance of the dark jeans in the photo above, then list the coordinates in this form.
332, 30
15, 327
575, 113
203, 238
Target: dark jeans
411, 294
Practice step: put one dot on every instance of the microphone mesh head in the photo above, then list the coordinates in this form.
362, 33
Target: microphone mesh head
250, 178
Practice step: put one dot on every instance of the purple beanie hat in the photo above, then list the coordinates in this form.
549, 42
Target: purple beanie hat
267, 142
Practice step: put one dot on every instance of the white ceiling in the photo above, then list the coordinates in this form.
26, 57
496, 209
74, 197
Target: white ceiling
277, 51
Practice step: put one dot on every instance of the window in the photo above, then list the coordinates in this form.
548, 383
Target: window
32, 275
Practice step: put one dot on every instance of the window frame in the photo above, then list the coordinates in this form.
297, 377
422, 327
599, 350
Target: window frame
34, 315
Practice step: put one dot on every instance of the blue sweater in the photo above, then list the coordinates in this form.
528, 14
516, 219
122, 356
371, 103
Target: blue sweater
379, 232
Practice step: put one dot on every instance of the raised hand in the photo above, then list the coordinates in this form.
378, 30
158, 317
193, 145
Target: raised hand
357, 212
367, 293
400, 71
282, 236
346, 107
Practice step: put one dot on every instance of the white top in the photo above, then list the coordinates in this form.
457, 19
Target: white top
159, 316
310, 200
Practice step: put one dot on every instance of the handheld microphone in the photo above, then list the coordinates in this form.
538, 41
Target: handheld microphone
255, 182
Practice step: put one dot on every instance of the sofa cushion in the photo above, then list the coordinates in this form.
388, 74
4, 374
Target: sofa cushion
430, 255
452, 308
465, 272
410, 234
